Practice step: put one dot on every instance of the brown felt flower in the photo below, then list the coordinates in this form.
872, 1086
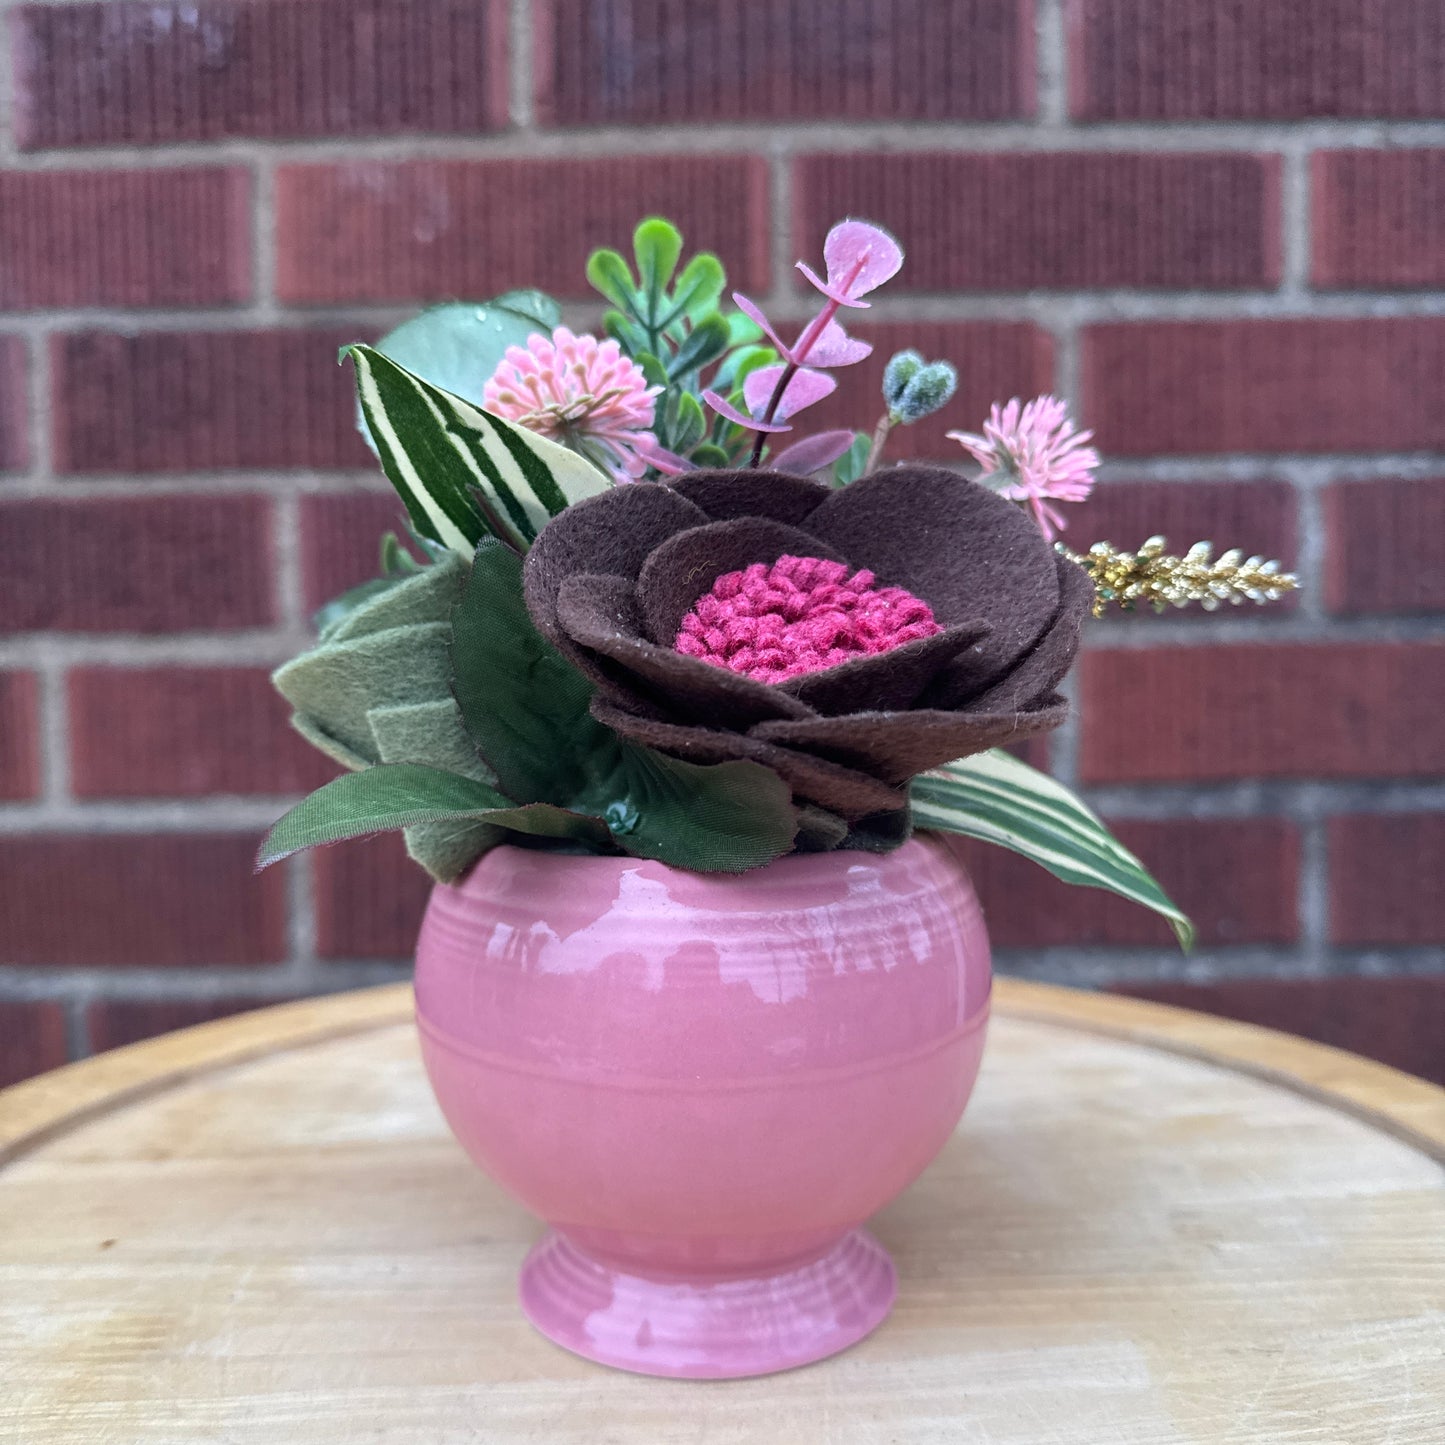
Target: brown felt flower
846, 639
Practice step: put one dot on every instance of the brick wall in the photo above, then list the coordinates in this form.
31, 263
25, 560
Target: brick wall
1220, 229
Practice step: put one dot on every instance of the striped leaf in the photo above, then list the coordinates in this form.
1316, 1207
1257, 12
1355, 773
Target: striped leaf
995, 797
463, 473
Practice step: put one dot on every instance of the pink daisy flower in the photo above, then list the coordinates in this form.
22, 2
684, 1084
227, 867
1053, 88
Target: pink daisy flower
581, 392
1032, 453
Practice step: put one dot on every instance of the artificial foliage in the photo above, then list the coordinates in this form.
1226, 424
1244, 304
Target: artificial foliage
638, 614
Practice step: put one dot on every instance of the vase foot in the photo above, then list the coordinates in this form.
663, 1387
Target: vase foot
708, 1329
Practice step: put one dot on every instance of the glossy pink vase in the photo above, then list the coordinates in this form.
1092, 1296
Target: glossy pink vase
705, 1083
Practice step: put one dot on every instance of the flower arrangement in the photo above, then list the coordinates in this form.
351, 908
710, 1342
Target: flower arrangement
642, 616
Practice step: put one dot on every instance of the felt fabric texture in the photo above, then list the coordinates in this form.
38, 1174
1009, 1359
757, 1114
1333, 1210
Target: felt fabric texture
609, 580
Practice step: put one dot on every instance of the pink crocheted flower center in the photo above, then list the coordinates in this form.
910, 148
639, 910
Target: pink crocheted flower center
774, 621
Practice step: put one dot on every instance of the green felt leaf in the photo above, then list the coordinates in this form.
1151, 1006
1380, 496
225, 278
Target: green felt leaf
400, 795
427, 595
995, 797
337, 683
707, 340
332, 614
463, 473
608, 273
332, 747
527, 709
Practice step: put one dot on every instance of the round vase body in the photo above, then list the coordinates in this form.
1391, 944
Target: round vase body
705, 1083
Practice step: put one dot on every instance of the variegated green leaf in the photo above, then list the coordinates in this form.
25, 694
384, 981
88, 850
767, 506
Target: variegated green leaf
995, 797
462, 472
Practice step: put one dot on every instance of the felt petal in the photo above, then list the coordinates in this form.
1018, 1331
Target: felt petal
860, 257
602, 622
681, 569
1045, 665
841, 790
813, 453
969, 554
887, 681
723, 407
752, 492
611, 533
899, 745
755, 313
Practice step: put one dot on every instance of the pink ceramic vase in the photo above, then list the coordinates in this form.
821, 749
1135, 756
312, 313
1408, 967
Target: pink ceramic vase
705, 1083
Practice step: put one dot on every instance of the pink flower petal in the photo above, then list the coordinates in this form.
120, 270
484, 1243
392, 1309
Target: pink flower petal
860, 257
725, 408
754, 312
804, 389
813, 453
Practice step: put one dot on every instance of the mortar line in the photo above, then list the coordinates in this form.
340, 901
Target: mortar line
521, 95
1050, 65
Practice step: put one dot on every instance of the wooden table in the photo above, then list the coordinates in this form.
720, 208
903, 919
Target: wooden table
1151, 1227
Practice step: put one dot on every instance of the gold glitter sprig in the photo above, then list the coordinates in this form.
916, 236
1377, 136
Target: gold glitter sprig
1152, 577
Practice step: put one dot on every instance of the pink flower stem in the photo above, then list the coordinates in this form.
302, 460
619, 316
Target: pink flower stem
804, 345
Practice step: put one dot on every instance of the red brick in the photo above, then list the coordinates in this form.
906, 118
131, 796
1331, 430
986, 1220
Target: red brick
111, 1023
167, 401
185, 732
641, 62
1237, 881
32, 1039
369, 899
1013, 222
1296, 385
1386, 546
407, 230
148, 74
995, 360
1339, 710
1385, 874
341, 539
19, 736
1264, 60
1378, 217
1256, 516
172, 237
139, 900
135, 564
14, 412
1399, 1020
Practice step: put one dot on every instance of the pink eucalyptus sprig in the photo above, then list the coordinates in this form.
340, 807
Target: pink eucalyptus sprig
859, 257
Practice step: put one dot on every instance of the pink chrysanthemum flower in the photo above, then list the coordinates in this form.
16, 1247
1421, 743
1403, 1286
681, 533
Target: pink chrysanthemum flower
1031, 453
579, 391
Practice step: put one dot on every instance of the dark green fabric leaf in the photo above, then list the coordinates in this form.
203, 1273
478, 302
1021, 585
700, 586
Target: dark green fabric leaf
400, 795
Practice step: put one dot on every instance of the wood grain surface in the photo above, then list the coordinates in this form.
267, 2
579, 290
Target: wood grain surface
1152, 1228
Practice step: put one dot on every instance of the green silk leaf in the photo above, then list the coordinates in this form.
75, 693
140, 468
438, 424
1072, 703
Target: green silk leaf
463, 473
403, 795
995, 797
